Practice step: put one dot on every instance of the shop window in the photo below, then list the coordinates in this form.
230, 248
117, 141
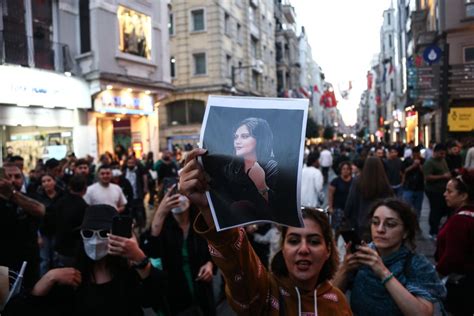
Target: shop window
198, 20
135, 32
199, 64
185, 112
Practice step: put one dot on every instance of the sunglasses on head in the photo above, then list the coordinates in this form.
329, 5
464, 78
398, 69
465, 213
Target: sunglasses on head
89, 233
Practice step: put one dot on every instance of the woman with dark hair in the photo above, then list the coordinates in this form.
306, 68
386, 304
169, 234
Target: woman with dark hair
455, 246
371, 185
386, 277
112, 277
337, 195
299, 281
247, 188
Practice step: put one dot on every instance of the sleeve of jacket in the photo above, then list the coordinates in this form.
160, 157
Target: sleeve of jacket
247, 281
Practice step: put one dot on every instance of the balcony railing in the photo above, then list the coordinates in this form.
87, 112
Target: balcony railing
34, 52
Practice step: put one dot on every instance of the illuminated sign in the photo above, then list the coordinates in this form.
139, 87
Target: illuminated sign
461, 119
25, 86
123, 102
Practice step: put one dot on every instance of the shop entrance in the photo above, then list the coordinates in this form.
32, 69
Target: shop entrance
122, 133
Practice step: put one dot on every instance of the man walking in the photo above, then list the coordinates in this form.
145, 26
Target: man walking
137, 177
326, 162
437, 175
413, 180
311, 181
393, 168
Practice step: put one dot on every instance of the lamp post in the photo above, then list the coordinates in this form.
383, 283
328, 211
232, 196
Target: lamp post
257, 66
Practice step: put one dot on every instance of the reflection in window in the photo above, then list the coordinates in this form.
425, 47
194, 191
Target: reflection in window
135, 32
185, 112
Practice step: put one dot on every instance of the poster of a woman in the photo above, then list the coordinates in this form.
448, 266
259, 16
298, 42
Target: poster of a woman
255, 148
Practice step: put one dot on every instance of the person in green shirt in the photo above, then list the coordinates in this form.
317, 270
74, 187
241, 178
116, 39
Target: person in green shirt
437, 175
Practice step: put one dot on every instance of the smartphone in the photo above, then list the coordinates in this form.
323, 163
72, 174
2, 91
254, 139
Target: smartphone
122, 226
351, 236
168, 182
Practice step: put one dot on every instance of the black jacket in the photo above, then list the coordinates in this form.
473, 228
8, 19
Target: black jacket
168, 247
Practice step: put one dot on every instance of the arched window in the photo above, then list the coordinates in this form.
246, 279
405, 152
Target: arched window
184, 112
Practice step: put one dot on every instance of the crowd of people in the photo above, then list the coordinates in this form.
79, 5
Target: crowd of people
62, 218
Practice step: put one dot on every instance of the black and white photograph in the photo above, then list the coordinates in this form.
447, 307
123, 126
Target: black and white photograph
254, 159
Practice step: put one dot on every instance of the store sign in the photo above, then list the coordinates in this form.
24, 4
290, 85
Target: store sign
41, 117
123, 102
25, 86
461, 119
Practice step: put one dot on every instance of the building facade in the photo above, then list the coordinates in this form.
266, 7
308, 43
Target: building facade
123, 53
42, 101
225, 47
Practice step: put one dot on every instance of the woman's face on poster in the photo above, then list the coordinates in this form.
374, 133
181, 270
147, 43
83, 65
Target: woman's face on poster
244, 143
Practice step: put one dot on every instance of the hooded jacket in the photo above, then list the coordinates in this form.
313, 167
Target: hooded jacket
252, 290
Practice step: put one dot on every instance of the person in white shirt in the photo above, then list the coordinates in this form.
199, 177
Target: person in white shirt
104, 192
326, 162
311, 182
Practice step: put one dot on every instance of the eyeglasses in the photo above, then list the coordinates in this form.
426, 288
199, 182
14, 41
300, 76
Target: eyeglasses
389, 224
100, 233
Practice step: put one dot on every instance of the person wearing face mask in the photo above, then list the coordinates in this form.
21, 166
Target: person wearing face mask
183, 255
112, 276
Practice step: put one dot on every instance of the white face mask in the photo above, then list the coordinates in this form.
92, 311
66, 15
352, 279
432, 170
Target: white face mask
183, 205
96, 248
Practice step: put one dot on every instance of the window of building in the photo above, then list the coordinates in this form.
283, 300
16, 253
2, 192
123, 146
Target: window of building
173, 67
390, 41
389, 19
241, 72
469, 8
254, 47
392, 86
227, 24
469, 54
253, 14
239, 33
171, 24
85, 26
134, 32
199, 60
184, 112
42, 16
228, 62
255, 79
198, 20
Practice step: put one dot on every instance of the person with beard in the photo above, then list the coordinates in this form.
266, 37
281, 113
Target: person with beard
112, 276
165, 167
105, 192
136, 175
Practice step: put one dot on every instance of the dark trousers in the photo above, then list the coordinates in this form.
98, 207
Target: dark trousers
137, 210
438, 209
325, 171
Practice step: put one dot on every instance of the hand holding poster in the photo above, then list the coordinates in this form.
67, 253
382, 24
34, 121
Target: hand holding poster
254, 160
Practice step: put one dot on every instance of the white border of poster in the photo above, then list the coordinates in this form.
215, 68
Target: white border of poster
286, 119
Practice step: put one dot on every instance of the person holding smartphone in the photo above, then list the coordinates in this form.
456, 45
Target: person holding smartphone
386, 277
175, 247
112, 276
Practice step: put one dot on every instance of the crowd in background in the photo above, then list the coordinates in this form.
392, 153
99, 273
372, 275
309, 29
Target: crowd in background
58, 218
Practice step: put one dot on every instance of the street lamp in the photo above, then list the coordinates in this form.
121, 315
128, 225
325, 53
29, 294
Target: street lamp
257, 66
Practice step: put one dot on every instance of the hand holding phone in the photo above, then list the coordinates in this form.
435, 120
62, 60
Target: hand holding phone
122, 226
352, 237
